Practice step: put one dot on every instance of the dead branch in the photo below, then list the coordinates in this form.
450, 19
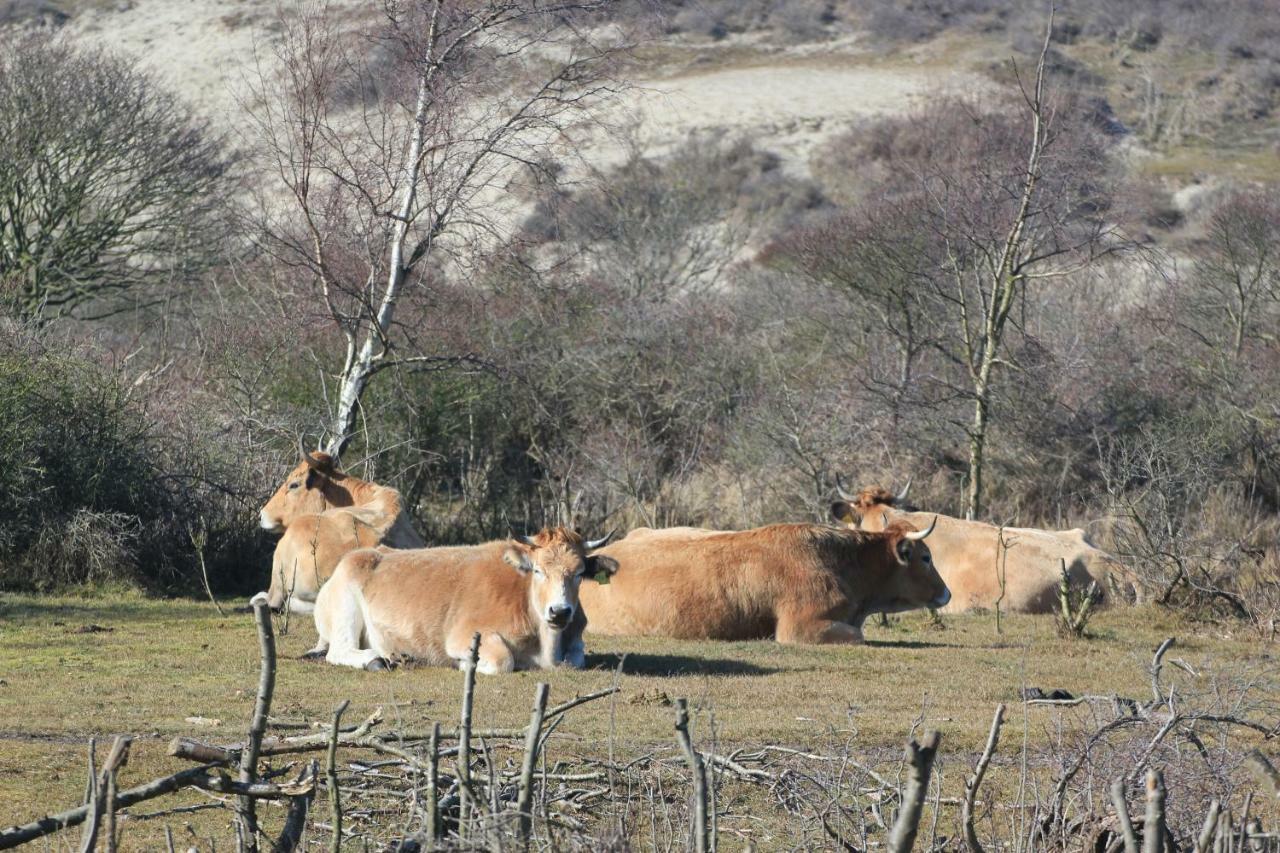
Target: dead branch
331, 773
975, 781
920, 757
694, 760
1122, 816
523, 805
1153, 830
258, 727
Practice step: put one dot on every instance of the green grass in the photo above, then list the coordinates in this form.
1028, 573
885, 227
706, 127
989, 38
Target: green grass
161, 662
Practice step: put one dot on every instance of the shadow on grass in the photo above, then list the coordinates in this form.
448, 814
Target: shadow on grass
911, 644
30, 608
661, 666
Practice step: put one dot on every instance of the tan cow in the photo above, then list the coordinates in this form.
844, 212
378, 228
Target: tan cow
796, 583
973, 556
324, 514
521, 595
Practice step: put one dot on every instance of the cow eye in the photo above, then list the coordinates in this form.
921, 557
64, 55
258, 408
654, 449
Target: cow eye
294, 485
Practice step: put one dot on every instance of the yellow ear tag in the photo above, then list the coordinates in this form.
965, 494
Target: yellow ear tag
601, 577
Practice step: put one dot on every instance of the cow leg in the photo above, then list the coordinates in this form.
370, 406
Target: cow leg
494, 656
818, 632
301, 605
340, 623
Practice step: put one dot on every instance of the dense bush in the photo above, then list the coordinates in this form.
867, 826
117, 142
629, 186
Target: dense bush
97, 490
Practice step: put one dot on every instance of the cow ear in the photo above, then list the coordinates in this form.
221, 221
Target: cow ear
600, 568
315, 478
843, 512
517, 557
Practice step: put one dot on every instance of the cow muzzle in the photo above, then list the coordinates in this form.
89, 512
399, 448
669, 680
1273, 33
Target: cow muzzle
942, 600
269, 523
558, 615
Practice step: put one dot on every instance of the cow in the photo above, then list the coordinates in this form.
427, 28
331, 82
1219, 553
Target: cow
520, 595
795, 583
973, 556
324, 513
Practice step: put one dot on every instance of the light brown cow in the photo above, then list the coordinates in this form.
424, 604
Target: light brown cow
324, 514
796, 583
521, 595
973, 556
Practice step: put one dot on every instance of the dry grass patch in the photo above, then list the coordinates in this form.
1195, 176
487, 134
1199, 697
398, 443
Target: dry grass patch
72, 668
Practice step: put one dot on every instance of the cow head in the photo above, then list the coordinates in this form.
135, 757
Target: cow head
309, 489
866, 509
912, 581
556, 559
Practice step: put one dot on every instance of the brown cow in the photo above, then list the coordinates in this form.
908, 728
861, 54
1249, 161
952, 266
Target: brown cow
797, 583
521, 595
324, 514
973, 556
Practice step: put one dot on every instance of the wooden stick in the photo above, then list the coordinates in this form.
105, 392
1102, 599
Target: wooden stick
1210, 824
1156, 665
694, 760
1122, 816
331, 773
975, 781
1153, 830
920, 756
523, 804
15, 835
89, 837
258, 727
433, 783
464, 735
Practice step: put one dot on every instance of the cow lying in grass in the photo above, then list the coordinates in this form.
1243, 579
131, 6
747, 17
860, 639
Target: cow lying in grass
796, 583
324, 514
521, 595
981, 563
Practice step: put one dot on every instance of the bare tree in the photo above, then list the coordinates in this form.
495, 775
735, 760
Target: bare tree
392, 144
1237, 272
109, 186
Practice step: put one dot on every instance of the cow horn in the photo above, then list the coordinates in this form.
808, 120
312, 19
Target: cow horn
592, 544
842, 493
920, 534
302, 450
902, 495
524, 538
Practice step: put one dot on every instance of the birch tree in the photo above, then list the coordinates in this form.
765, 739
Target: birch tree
389, 148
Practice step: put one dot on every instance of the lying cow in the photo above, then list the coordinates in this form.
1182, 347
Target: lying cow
796, 583
520, 595
323, 515
973, 556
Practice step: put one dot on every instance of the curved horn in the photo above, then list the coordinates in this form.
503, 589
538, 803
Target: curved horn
902, 495
920, 534
302, 449
841, 492
592, 544
523, 538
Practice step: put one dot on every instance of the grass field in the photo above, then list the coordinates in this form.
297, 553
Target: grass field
71, 668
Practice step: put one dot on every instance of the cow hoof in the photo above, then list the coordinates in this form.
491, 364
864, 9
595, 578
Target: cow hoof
313, 655
377, 665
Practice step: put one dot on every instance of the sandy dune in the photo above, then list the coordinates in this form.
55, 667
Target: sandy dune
206, 52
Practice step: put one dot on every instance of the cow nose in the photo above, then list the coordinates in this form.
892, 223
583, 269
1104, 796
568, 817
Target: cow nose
267, 522
944, 599
559, 615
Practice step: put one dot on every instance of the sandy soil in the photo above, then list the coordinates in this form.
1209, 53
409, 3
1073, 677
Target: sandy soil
206, 52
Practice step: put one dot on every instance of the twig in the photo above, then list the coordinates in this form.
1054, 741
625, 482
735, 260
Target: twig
89, 837
258, 727
1156, 694
975, 781
920, 756
331, 774
433, 784
464, 735
694, 761
295, 821
524, 803
1210, 824
1122, 816
1153, 830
